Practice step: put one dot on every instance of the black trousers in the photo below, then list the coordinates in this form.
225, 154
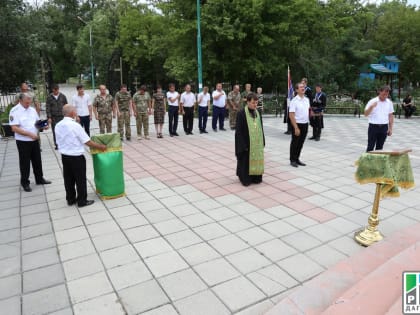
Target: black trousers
85, 122
54, 121
218, 114
188, 119
376, 136
29, 152
316, 122
74, 173
203, 113
173, 119
297, 142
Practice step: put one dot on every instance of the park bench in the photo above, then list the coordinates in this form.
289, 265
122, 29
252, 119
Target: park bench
354, 109
399, 109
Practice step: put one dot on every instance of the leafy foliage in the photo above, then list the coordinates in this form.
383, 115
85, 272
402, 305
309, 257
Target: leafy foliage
242, 40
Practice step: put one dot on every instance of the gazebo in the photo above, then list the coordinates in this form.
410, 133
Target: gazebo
387, 69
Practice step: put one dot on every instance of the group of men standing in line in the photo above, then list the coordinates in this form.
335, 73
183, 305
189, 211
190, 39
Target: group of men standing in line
71, 125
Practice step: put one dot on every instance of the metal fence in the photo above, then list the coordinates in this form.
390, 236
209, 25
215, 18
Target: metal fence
6, 99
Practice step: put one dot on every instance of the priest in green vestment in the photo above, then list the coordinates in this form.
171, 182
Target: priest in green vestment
249, 143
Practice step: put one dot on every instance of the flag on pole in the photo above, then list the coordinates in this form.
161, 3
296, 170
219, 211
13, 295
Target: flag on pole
289, 85
289, 92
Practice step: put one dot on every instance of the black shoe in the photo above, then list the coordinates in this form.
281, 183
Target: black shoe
312, 138
215, 130
86, 203
171, 134
71, 202
27, 188
190, 133
300, 163
205, 131
43, 181
201, 131
317, 139
294, 164
56, 148
288, 133
223, 129
176, 134
128, 139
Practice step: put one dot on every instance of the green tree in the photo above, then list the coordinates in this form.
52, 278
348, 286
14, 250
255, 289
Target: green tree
17, 58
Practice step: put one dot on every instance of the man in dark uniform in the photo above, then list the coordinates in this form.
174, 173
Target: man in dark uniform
54, 108
317, 120
22, 119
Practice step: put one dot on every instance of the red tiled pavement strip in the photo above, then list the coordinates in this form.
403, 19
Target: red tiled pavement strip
369, 282
210, 167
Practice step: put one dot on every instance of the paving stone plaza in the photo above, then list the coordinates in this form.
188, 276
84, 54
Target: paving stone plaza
188, 238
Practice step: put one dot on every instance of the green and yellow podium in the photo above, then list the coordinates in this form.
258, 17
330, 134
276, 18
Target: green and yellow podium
388, 170
108, 166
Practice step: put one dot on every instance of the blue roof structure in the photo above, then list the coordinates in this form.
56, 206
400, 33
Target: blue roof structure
381, 69
389, 59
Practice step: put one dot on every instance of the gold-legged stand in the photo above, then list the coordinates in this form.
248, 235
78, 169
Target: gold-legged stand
370, 234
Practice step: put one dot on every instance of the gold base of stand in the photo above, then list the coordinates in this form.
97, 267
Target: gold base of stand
370, 234
366, 237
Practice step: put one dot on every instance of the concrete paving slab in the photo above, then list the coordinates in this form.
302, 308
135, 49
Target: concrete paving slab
299, 220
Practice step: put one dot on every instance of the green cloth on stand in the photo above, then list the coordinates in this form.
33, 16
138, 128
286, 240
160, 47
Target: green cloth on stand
108, 166
389, 170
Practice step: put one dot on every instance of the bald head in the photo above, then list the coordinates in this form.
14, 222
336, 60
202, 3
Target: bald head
69, 110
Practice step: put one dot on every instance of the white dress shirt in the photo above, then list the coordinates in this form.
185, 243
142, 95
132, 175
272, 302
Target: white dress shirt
82, 104
187, 99
300, 106
205, 98
70, 137
380, 114
221, 101
174, 94
25, 118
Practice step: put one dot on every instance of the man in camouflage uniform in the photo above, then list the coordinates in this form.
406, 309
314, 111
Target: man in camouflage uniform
234, 101
104, 109
245, 93
24, 88
124, 108
142, 109
54, 108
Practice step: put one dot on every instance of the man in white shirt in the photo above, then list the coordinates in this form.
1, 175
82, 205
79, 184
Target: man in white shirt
380, 112
71, 138
299, 118
187, 108
219, 104
84, 107
173, 109
22, 119
203, 109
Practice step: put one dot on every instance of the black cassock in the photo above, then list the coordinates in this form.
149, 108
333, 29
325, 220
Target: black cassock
242, 149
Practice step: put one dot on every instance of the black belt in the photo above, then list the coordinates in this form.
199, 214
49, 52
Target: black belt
379, 125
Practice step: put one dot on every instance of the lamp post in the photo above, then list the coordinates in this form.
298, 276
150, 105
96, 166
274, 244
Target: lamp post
200, 70
91, 53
